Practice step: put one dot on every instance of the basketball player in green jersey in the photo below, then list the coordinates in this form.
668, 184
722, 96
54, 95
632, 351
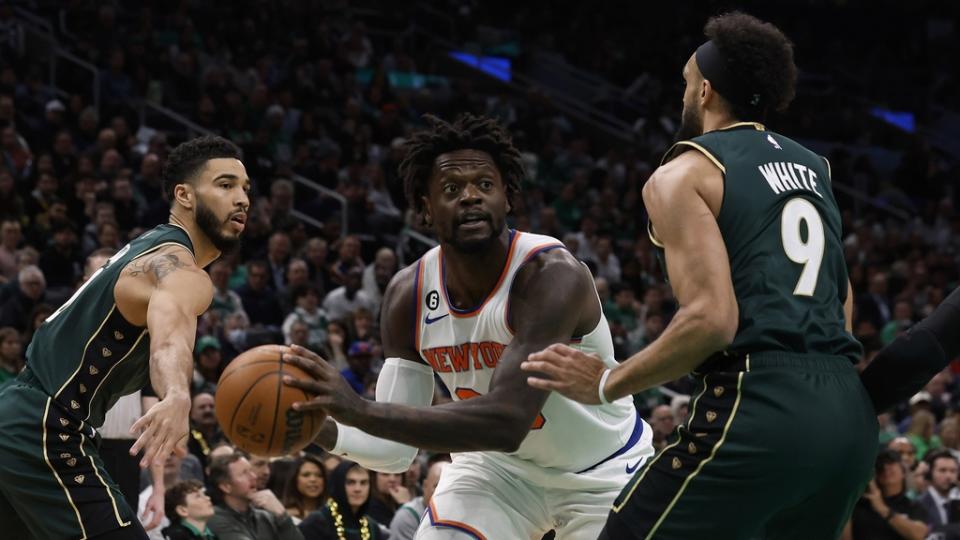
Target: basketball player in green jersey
98, 347
781, 435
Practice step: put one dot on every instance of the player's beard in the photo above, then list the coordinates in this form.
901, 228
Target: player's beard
212, 227
477, 245
691, 124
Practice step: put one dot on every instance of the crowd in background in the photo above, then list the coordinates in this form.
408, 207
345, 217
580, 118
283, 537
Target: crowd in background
307, 93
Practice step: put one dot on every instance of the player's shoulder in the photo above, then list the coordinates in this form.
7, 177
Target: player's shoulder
551, 267
401, 290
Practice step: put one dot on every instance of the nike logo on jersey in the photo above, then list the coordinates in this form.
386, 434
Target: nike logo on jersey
630, 469
428, 320
774, 142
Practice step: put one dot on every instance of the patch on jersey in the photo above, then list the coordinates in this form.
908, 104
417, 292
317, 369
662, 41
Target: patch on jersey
433, 300
774, 142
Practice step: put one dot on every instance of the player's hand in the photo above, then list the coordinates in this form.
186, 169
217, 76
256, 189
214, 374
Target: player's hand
266, 500
154, 510
163, 429
333, 394
573, 373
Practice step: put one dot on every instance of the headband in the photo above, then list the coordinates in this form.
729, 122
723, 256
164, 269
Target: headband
716, 69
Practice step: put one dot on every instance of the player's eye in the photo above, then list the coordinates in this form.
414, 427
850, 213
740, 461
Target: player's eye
449, 188
486, 185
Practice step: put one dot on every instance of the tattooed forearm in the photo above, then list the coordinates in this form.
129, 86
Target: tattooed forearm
159, 265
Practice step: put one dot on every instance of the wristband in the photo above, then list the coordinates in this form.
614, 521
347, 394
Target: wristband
603, 382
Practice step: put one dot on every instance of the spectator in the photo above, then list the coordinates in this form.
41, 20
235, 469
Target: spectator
29, 293
608, 265
885, 511
942, 496
362, 329
343, 301
334, 348
348, 257
225, 302
661, 420
874, 306
308, 312
10, 237
305, 490
921, 433
407, 519
152, 522
298, 275
244, 512
209, 365
188, 508
11, 203
278, 254
359, 357
377, 275
61, 261
348, 503
259, 302
261, 468
315, 253
204, 428
11, 355
388, 495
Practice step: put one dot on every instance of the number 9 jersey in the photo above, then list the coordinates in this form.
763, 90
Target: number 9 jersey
782, 229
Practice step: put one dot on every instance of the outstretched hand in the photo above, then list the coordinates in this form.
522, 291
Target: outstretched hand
332, 392
163, 429
572, 373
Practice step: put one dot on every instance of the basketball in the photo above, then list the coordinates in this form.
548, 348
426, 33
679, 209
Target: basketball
254, 406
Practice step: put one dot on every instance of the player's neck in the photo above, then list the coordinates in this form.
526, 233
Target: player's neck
470, 277
713, 121
203, 249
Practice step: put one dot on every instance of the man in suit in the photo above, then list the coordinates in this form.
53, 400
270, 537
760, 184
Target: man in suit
942, 493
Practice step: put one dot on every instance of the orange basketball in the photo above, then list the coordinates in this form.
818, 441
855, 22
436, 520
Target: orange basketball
253, 404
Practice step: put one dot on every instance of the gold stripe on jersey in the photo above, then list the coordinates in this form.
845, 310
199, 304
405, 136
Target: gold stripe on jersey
755, 125
46, 458
713, 453
96, 471
85, 349
158, 246
653, 235
702, 150
93, 396
649, 465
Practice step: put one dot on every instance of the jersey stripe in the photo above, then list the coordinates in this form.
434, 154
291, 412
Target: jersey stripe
463, 313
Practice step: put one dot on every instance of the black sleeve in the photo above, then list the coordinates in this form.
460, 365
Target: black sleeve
314, 527
917, 512
148, 391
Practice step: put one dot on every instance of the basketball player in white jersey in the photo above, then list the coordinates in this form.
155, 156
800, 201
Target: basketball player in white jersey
524, 460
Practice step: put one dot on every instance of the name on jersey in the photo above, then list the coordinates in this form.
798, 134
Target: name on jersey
783, 176
459, 358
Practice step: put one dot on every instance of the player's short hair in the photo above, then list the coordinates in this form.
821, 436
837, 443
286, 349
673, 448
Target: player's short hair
187, 159
760, 57
176, 495
466, 132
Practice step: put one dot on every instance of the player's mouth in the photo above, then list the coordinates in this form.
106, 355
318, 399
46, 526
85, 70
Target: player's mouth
473, 220
239, 220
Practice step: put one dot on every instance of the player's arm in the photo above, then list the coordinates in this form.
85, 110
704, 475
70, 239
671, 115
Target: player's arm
699, 269
547, 301
404, 379
179, 292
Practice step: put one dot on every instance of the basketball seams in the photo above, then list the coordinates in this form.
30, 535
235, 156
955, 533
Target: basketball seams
244, 396
228, 372
276, 405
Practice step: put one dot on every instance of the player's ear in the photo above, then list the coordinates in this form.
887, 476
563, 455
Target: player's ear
427, 212
185, 195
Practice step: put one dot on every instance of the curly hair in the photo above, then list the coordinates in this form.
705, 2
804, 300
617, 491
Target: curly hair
760, 56
466, 132
188, 158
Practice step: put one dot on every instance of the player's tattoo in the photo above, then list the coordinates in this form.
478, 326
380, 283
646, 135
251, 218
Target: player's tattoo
159, 265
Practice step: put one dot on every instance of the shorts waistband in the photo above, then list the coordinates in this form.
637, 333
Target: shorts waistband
731, 361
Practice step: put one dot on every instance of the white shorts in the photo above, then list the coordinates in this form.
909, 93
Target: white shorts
493, 496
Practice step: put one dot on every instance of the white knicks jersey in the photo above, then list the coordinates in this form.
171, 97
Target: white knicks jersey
464, 346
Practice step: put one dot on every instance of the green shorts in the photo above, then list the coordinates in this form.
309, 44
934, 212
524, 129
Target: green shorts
52, 480
776, 446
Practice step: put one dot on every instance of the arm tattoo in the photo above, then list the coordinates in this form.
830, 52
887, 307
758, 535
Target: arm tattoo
160, 265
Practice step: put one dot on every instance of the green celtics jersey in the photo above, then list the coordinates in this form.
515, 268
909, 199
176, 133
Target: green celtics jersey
782, 230
86, 354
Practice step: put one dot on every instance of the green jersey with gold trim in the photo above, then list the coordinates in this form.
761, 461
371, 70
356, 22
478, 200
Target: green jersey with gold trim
782, 229
86, 354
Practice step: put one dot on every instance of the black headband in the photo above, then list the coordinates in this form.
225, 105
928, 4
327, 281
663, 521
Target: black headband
715, 68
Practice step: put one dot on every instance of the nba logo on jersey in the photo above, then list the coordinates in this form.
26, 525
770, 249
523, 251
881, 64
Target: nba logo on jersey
774, 142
